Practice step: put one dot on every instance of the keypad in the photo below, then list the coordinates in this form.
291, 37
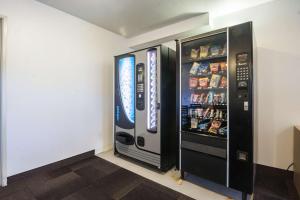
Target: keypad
242, 74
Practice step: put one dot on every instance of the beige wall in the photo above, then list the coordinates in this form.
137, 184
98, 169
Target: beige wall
58, 72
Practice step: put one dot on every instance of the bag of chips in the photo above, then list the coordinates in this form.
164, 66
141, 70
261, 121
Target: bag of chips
215, 50
215, 125
204, 124
222, 99
194, 68
194, 123
214, 67
223, 83
203, 68
204, 51
215, 79
193, 82
223, 66
203, 82
210, 97
194, 53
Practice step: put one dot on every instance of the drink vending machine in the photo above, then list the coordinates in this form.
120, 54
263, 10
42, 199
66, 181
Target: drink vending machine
145, 106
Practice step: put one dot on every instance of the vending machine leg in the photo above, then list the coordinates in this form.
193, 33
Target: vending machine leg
182, 174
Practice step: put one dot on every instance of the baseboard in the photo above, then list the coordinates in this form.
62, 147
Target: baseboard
104, 149
52, 166
272, 170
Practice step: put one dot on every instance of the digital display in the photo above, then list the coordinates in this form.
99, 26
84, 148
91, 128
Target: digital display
126, 81
152, 91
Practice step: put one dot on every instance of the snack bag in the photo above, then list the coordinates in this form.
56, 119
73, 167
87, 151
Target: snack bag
206, 113
223, 83
204, 51
204, 124
194, 53
215, 50
223, 98
210, 97
214, 67
203, 68
194, 68
215, 125
223, 66
193, 82
201, 98
199, 112
203, 82
223, 131
194, 98
215, 79
194, 123
216, 99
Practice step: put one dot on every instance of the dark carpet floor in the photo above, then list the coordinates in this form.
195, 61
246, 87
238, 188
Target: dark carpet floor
97, 179
274, 184
90, 179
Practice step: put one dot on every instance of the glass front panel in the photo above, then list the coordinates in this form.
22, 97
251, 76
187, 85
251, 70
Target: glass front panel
126, 81
152, 91
204, 86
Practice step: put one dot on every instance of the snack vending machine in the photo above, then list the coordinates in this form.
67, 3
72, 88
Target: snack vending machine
145, 106
216, 131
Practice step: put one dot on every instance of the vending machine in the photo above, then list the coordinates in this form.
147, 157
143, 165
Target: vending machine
145, 106
216, 101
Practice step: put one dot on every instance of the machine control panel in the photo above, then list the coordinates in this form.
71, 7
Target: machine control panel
242, 70
140, 86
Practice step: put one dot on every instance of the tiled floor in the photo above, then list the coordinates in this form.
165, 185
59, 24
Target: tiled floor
170, 178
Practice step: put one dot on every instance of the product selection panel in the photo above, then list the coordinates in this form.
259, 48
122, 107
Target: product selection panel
140, 86
242, 70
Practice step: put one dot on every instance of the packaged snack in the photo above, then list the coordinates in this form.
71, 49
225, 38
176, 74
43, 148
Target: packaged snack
215, 125
222, 99
194, 98
203, 82
214, 67
215, 79
194, 68
223, 66
215, 50
201, 98
217, 114
223, 83
210, 97
212, 112
204, 124
221, 115
193, 82
199, 112
203, 68
194, 53
194, 123
216, 99
204, 51
223, 131
206, 113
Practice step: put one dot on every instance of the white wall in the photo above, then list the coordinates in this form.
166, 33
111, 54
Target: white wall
277, 31
59, 78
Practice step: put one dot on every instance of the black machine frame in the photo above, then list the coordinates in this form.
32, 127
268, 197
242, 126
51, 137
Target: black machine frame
228, 162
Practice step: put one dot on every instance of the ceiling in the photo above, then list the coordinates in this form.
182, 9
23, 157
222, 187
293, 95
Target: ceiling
134, 17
